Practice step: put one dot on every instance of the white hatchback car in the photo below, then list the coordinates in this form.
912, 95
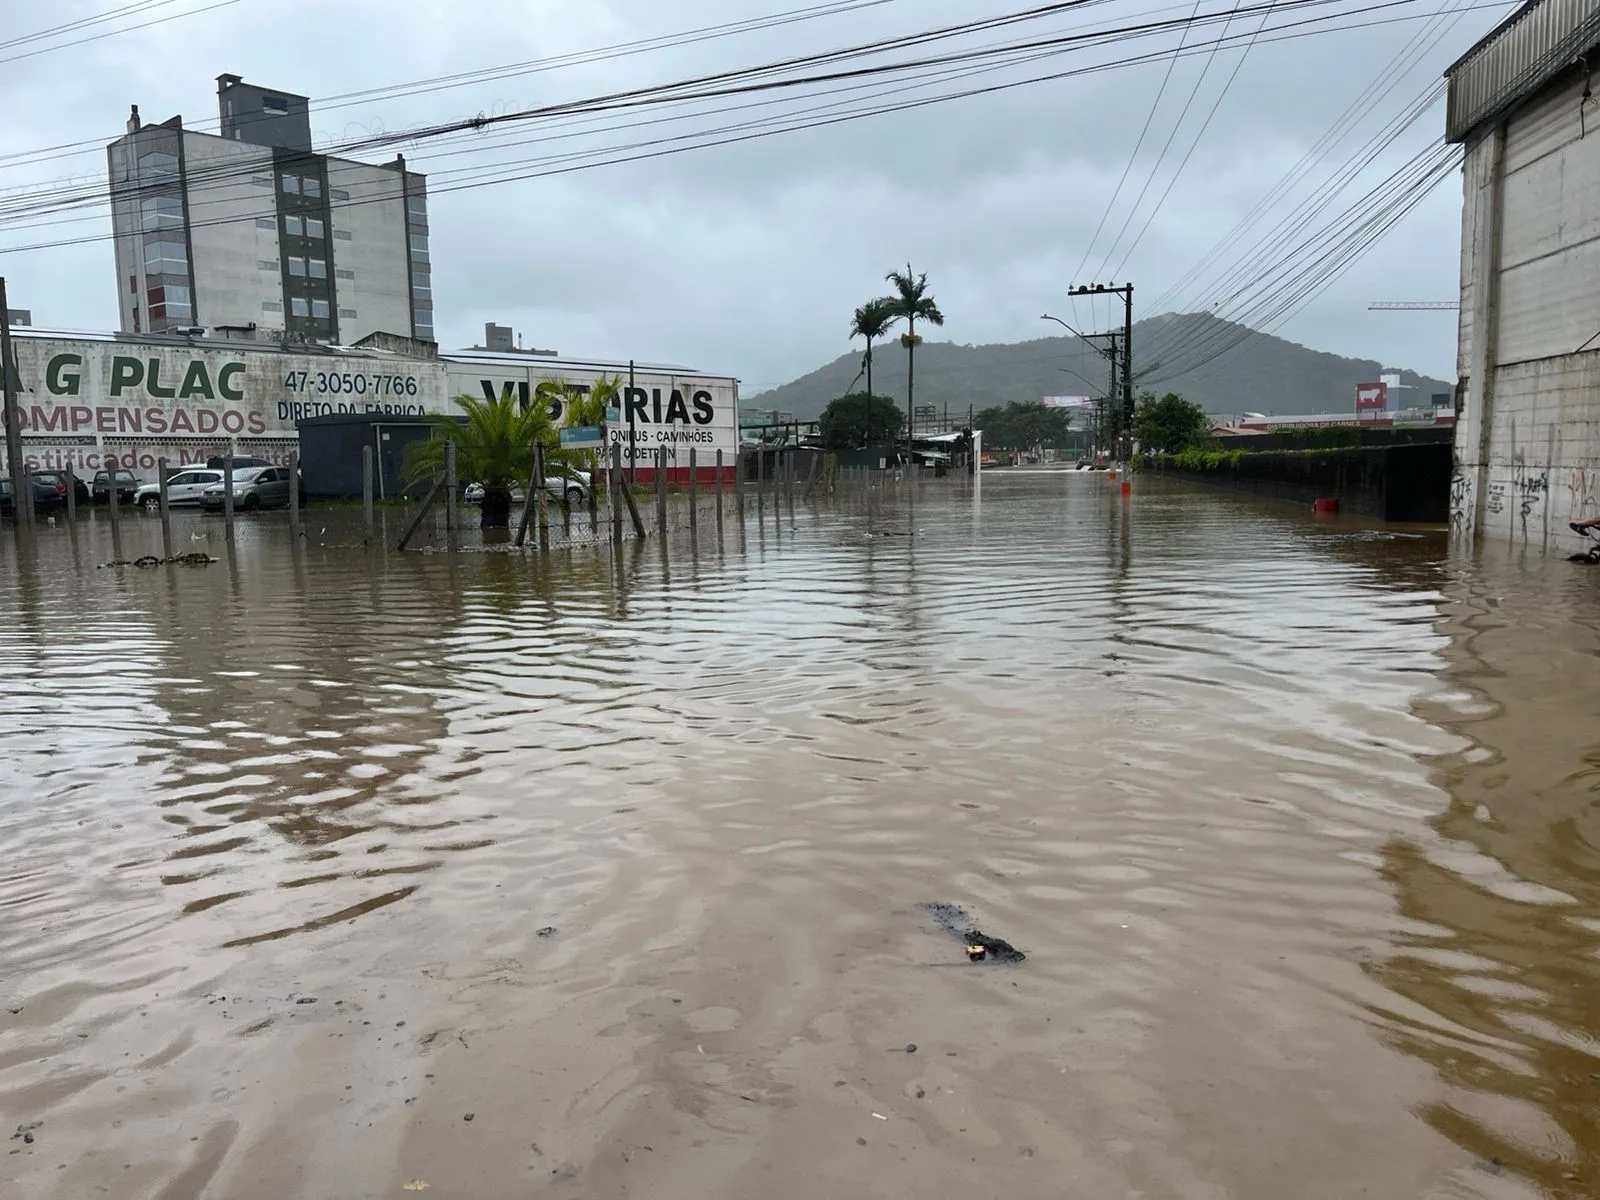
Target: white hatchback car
184, 489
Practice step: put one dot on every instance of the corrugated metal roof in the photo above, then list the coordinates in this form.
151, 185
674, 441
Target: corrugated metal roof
1517, 58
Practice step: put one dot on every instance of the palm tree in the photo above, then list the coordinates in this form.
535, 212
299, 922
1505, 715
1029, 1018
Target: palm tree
911, 301
494, 447
872, 321
578, 407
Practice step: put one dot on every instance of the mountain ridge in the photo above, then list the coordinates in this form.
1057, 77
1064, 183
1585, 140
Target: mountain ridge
1224, 367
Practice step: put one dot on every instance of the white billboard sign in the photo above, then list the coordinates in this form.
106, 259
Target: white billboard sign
660, 411
83, 401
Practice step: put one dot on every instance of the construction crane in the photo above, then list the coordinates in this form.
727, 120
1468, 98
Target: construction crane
1414, 304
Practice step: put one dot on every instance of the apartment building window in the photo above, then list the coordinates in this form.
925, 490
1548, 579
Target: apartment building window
311, 186
341, 273
271, 306
424, 326
314, 228
291, 184
292, 226
338, 194
169, 303
266, 264
158, 162
342, 234
161, 212
297, 267
166, 258
299, 306
422, 286
319, 309
265, 223
419, 247
319, 268
417, 209
347, 314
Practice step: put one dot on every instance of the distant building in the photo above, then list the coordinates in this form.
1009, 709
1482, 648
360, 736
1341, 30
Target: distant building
1522, 103
252, 234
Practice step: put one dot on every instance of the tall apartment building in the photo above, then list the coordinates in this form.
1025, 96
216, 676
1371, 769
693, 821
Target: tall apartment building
253, 234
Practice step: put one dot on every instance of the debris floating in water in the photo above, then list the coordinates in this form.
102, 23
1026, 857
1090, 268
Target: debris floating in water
980, 946
150, 560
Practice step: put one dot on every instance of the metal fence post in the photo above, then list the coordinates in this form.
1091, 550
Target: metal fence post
661, 490
294, 496
543, 497
738, 482
72, 494
227, 495
694, 492
719, 493
614, 478
162, 473
114, 508
366, 493
450, 495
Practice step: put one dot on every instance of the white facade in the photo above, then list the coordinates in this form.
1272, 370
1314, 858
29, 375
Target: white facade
664, 410
374, 210
1528, 440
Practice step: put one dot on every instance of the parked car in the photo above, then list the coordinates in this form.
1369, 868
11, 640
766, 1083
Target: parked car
253, 487
184, 489
573, 487
58, 480
45, 497
220, 461
127, 487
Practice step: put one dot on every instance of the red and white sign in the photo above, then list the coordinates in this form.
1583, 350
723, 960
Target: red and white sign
1372, 395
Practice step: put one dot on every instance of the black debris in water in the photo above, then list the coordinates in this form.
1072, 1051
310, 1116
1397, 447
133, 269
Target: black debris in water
469, 1116
196, 559
547, 931
911, 1047
980, 946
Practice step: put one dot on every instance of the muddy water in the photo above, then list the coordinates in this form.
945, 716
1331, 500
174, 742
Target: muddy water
311, 856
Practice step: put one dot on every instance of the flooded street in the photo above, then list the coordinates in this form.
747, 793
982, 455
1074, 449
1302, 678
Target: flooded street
329, 872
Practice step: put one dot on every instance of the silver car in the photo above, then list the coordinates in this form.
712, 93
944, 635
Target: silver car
184, 488
253, 487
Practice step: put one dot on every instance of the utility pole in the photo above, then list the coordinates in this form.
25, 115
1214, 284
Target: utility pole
1124, 420
21, 482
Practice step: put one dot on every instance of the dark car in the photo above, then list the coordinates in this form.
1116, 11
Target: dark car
219, 462
127, 487
45, 497
58, 480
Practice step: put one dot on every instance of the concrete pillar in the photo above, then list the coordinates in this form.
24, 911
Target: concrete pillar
1477, 418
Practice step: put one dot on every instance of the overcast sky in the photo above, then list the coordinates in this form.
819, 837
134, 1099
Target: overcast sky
748, 259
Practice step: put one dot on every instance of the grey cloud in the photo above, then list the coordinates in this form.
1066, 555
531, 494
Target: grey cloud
749, 259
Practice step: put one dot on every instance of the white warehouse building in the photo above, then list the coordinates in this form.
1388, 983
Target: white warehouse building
1527, 444
253, 236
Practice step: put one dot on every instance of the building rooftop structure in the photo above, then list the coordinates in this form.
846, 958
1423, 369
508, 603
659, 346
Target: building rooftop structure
1515, 60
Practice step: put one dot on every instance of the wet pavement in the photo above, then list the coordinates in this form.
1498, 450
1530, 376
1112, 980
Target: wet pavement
332, 872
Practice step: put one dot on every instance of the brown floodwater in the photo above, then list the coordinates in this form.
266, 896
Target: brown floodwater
328, 872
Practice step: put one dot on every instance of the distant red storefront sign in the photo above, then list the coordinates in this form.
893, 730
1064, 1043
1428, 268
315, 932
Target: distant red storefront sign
1372, 395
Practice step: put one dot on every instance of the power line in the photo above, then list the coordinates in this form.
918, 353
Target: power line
662, 147
108, 34
756, 79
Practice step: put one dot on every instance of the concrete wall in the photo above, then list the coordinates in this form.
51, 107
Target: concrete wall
1527, 448
230, 189
370, 249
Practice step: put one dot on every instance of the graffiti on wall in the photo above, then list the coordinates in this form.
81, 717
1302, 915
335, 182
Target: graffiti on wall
1460, 501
